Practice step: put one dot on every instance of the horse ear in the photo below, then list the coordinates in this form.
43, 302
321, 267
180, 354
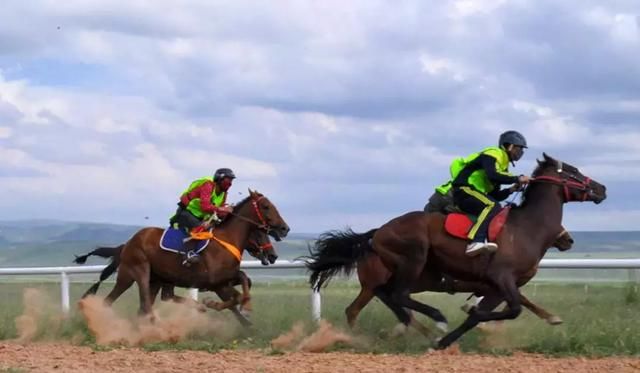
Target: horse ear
549, 159
250, 191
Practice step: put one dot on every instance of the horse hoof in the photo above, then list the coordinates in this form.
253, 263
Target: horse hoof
554, 320
442, 326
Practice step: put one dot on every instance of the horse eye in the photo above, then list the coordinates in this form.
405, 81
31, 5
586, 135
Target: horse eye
266, 207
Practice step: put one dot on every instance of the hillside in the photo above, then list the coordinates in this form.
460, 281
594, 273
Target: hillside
49, 243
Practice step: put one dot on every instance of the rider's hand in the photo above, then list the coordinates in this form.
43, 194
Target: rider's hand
524, 179
223, 211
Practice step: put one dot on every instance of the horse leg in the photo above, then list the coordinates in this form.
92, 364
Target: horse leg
363, 298
154, 289
142, 278
403, 315
402, 281
226, 293
245, 299
508, 292
488, 303
539, 311
123, 282
431, 312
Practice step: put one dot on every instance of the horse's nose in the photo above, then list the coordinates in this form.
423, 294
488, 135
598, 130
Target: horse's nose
285, 230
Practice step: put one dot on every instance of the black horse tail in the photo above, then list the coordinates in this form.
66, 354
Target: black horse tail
104, 252
336, 252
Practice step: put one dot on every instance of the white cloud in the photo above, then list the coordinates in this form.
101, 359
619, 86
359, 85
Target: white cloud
325, 105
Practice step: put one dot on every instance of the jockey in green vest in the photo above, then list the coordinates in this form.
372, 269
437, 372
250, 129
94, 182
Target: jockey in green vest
475, 185
204, 199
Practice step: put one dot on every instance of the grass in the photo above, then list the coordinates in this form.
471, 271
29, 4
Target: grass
600, 320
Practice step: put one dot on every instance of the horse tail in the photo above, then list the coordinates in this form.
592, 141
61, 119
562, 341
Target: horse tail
336, 252
104, 252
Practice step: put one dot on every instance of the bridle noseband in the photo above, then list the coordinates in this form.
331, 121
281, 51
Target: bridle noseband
578, 184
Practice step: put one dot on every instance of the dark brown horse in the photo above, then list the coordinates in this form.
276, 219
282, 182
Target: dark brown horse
259, 246
372, 273
143, 261
417, 242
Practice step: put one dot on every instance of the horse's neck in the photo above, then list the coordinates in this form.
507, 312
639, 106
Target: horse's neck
237, 230
542, 216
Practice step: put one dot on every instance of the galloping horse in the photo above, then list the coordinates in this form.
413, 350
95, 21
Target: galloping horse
259, 246
417, 242
372, 273
143, 261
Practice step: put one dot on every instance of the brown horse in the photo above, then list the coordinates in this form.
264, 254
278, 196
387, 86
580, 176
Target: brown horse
143, 261
259, 246
417, 242
372, 273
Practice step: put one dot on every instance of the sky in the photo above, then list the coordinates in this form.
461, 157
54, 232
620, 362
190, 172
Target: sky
341, 113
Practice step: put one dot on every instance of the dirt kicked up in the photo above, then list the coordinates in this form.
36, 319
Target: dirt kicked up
62, 357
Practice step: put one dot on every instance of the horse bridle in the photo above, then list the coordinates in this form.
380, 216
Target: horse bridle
264, 247
263, 225
578, 184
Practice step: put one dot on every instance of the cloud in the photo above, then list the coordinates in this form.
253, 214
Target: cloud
345, 114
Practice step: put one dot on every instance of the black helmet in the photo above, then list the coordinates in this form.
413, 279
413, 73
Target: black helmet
221, 173
512, 137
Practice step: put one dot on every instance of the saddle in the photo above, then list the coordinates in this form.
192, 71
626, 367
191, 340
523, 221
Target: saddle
459, 224
174, 239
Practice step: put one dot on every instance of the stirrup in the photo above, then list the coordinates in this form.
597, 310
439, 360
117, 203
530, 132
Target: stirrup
191, 258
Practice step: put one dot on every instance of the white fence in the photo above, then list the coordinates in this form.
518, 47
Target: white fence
64, 272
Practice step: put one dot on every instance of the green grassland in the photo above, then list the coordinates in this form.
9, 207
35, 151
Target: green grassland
604, 320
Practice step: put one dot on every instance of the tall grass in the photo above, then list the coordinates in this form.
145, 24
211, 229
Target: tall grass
598, 320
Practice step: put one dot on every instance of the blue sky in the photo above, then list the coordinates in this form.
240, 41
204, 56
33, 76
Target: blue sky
342, 113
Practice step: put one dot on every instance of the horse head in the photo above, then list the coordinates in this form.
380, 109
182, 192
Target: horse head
575, 185
260, 247
264, 214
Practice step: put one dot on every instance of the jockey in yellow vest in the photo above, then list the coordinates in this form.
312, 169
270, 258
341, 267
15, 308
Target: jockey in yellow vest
475, 185
204, 198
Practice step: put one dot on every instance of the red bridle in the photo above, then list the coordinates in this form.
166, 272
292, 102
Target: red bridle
263, 222
266, 246
582, 186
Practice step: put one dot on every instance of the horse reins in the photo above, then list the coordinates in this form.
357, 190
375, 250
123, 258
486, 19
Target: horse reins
582, 186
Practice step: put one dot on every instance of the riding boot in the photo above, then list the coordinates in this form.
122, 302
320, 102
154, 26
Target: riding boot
479, 247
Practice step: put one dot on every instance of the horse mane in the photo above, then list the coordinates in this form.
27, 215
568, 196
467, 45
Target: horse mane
542, 165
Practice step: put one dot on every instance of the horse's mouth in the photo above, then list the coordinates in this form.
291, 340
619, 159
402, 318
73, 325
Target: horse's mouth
276, 236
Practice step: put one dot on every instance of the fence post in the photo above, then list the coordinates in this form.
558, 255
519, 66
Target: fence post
193, 293
316, 303
64, 292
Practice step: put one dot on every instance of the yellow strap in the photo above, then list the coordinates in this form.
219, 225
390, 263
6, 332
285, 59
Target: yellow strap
483, 215
230, 248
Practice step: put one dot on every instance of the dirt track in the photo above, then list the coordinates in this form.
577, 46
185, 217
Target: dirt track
59, 357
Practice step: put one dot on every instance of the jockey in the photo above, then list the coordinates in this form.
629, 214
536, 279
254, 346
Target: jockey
475, 185
203, 200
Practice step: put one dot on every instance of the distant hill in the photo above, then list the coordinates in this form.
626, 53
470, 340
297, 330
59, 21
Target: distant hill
52, 243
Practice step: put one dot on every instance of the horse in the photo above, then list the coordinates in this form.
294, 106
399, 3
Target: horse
259, 246
143, 261
415, 242
372, 273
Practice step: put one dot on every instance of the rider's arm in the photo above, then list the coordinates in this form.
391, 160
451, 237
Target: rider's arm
501, 195
489, 165
206, 190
